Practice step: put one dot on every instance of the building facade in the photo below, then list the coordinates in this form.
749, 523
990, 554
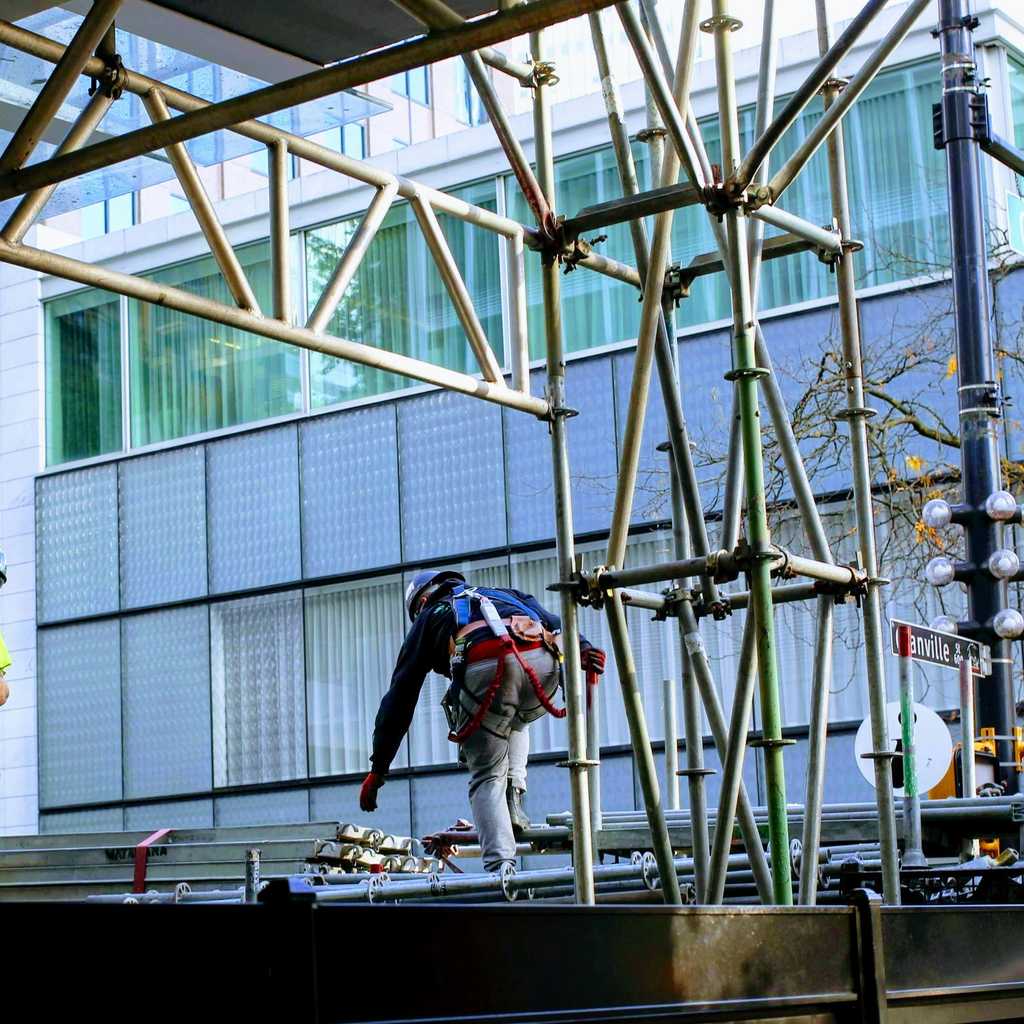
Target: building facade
209, 532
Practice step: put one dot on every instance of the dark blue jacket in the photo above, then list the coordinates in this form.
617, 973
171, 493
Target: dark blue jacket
426, 649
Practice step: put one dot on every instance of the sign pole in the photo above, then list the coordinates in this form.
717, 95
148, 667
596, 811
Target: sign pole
968, 782
913, 855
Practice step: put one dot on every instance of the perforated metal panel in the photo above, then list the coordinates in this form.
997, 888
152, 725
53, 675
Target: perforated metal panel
76, 543
349, 491
253, 501
166, 660
162, 500
279, 808
617, 784
79, 714
258, 690
172, 814
109, 819
592, 457
437, 800
341, 803
452, 472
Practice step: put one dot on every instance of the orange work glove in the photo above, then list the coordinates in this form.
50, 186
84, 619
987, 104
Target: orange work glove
368, 792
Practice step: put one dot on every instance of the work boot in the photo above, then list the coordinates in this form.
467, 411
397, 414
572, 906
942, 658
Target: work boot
516, 810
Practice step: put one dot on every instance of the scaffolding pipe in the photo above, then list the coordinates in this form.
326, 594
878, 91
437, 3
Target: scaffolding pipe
654, 79
746, 372
202, 208
823, 239
651, 313
457, 290
280, 240
835, 112
576, 726
803, 95
509, 143
435, 14
681, 457
351, 258
766, 75
347, 74
629, 208
817, 736
643, 758
732, 764
31, 205
610, 268
857, 414
693, 731
704, 678
196, 305
58, 86
518, 318
671, 745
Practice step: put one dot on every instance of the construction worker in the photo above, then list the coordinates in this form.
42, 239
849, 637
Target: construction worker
500, 649
5, 658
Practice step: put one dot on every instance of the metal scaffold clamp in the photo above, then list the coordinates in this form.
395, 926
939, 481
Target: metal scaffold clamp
114, 78
544, 73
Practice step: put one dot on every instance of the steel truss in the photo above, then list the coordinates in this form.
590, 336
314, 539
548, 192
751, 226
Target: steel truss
738, 207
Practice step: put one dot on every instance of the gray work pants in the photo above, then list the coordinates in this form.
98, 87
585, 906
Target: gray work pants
496, 753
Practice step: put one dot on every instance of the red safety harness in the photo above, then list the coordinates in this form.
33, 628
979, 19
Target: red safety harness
500, 648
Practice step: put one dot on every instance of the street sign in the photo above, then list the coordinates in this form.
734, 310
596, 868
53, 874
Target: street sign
946, 650
933, 747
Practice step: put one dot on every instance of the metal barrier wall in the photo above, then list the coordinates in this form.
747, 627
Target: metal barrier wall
296, 961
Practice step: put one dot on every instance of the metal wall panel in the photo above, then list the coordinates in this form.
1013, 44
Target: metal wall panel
349, 477
282, 807
592, 457
162, 502
109, 819
166, 663
79, 714
172, 814
76, 543
437, 800
341, 803
253, 507
617, 784
452, 475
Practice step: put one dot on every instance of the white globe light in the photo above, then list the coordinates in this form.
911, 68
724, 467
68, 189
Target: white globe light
939, 571
937, 513
1009, 623
1001, 506
944, 624
1003, 563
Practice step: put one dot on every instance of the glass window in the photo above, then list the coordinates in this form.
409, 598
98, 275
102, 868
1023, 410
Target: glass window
397, 300
94, 220
900, 216
190, 375
353, 140
353, 635
468, 107
257, 674
595, 310
1017, 98
121, 212
83, 376
414, 84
